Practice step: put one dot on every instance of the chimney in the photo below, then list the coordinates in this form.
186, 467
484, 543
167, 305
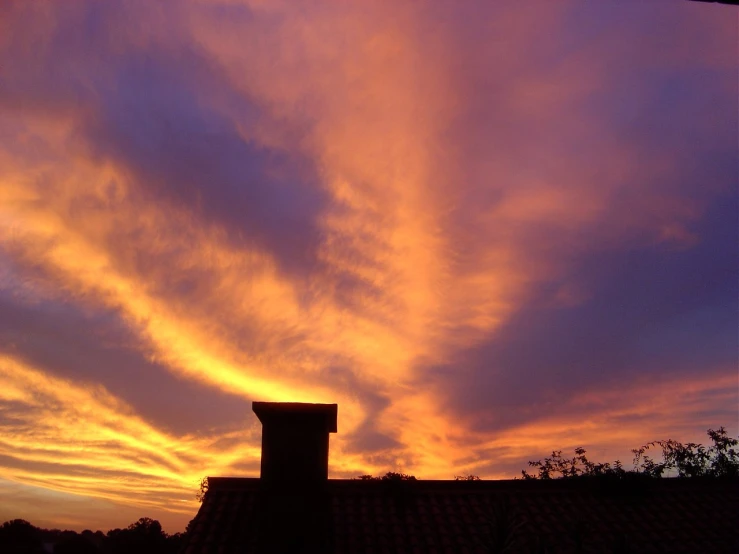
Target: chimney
295, 441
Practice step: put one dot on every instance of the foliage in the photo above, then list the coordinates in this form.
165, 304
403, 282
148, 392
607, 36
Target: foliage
77, 544
691, 459
558, 466
389, 476
143, 537
200, 495
688, 460
466, 478
18, 535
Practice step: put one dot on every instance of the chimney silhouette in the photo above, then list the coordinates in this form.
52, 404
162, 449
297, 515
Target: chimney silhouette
295, 441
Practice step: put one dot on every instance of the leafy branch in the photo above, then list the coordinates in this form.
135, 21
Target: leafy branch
688, 460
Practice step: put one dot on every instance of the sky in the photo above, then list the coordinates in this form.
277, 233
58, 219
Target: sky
485, 230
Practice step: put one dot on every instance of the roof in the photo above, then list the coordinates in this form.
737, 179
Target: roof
527, 516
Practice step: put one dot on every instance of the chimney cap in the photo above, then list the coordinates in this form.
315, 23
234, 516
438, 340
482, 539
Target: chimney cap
267, 410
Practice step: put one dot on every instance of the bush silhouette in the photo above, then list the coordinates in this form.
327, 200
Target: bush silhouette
721, 460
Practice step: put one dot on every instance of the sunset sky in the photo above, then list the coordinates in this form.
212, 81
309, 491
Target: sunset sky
485, 230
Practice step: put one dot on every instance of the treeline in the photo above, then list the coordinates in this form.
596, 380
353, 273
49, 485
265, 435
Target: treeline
145, 536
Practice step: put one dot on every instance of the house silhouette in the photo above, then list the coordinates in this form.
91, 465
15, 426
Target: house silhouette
294, 508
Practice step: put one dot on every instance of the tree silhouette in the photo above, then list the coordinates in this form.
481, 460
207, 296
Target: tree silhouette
200, 495
19, 536
145, 536
76, 544
557, 466
691, 459
687, 460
